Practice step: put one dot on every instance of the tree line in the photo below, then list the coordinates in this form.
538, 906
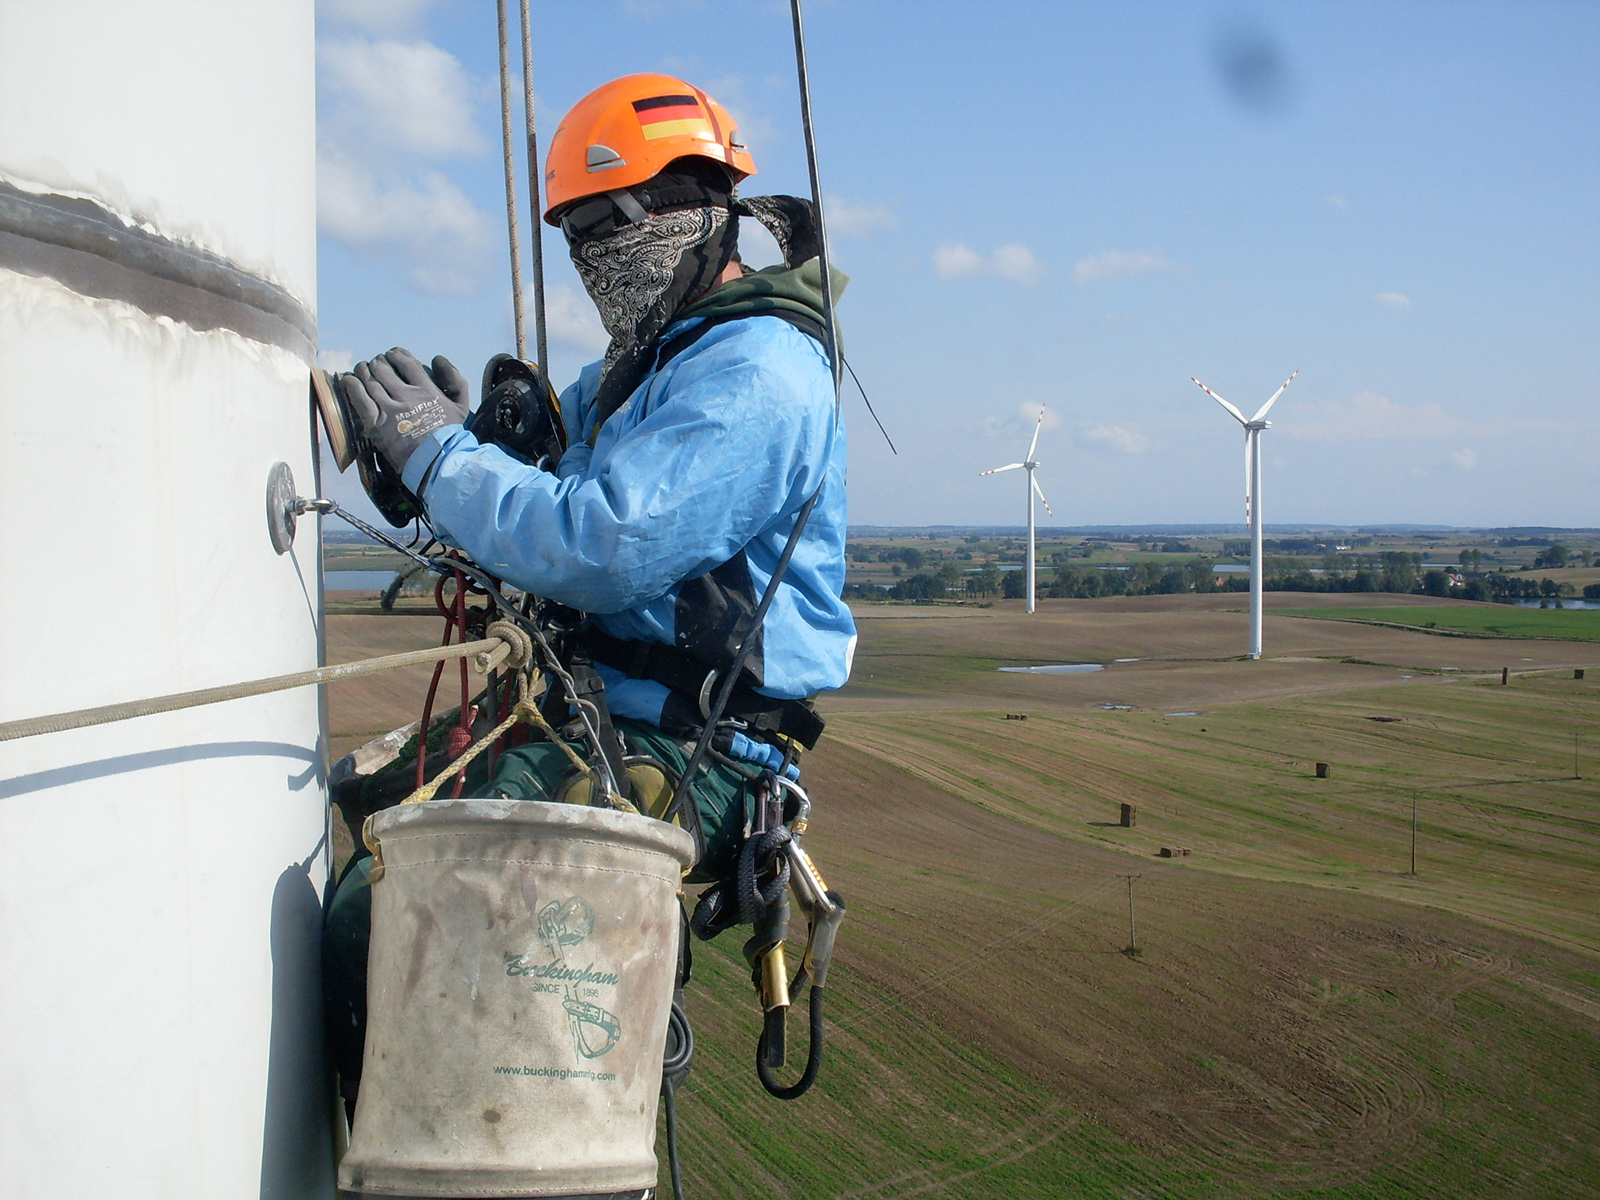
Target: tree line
1395, 571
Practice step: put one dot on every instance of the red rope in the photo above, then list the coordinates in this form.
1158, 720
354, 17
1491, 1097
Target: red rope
461, 737
433, 686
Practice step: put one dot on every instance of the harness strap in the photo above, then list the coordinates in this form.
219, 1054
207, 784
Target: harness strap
591, 687
694, 681
678, 343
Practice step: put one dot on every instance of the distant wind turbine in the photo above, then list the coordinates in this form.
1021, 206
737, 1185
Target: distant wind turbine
1028, 464
1252, 495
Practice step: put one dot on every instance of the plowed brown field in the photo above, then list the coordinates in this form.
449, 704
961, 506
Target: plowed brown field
1304, 1019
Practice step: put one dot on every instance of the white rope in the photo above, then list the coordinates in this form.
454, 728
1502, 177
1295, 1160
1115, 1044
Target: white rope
486, 651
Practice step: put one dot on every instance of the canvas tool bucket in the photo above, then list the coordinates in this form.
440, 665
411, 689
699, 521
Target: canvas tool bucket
518, 988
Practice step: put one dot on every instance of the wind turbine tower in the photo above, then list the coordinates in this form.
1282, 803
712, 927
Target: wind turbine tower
1252, 495
1028, 464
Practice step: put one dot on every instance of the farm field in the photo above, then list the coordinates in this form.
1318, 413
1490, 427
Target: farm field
1477, 620
1305, 1019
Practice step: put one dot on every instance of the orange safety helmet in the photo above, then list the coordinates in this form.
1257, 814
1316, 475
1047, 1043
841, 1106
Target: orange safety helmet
626, 131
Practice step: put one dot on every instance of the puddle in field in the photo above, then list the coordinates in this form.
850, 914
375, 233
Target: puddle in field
1182, 714
1109, 707
1128, 660
1056, 669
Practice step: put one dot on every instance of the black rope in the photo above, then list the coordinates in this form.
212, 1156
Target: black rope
813, 1058
669, 1095
868, 400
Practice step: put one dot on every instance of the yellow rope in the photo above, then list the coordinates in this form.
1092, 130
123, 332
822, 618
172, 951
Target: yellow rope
525, 710
426, 791
585, 768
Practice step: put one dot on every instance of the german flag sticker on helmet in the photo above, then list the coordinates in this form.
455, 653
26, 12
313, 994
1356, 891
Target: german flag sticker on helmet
668, 116
631, 129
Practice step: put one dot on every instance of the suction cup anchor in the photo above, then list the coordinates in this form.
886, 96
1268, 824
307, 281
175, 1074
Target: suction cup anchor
284, 508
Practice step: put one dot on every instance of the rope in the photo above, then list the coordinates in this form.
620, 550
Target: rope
678, 806
512, 227
525, 710
537, 243
572, 755
105, 714
520, 645
522, 711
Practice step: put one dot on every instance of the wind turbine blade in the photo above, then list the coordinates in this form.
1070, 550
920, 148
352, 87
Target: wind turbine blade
1038, 491
1237, 415
1274, 399
1007, 467
1038, 425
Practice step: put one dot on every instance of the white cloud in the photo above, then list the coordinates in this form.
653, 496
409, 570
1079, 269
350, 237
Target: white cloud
1016, 262
571, 319
1395, 300
1464, 459
336, 361
858, 220
387, 112
1338, 202
1012, 261
1365, 416
426, 224
1118, 264
412, 96
1114, 438
954, 261
375, 16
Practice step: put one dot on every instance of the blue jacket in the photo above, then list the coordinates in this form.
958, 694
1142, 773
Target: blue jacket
712, 455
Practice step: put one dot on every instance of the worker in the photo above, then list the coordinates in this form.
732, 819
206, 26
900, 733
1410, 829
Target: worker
692, 446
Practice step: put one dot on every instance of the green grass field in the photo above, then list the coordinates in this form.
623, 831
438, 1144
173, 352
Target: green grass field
1307, 1019
1475, 620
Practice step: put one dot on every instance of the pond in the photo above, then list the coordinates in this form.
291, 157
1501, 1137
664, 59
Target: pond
1056, 669
356, 581
1563, 603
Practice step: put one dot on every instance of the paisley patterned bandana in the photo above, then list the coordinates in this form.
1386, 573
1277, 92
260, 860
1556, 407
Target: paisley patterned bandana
641, 276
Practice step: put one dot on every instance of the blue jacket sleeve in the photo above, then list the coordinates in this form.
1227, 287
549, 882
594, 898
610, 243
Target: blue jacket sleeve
727, 440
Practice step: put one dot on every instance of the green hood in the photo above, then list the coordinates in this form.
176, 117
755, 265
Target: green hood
771, 289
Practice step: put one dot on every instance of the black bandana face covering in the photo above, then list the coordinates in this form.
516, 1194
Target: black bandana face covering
640, 276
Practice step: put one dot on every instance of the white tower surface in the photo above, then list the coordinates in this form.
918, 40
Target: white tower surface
1029, 465
160, 877
1253, 427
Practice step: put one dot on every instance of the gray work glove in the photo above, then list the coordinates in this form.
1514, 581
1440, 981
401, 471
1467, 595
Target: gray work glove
399, 401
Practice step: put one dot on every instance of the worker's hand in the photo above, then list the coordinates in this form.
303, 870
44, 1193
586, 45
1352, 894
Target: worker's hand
399, 401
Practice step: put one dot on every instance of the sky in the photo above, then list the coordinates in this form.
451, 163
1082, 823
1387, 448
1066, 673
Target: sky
1067, 207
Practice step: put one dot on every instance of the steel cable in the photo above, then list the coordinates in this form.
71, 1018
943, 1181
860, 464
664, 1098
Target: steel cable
536, 238
513, 226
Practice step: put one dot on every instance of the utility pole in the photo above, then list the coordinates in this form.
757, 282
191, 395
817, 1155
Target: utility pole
1575, 774
1133, 941
1413, 833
